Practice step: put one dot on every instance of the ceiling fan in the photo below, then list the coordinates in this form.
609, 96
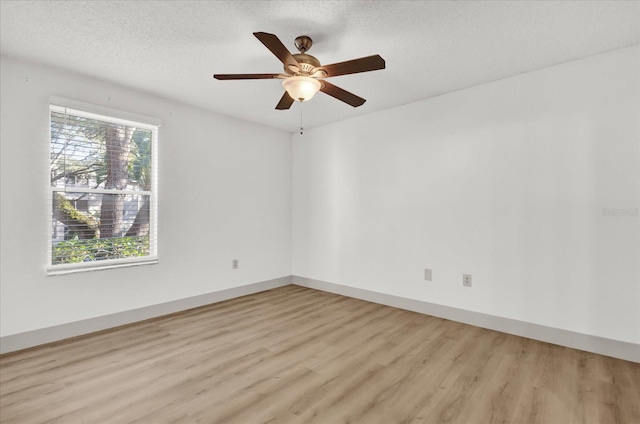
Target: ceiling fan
303, 74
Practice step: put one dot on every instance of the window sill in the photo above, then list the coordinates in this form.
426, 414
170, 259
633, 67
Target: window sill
100, 265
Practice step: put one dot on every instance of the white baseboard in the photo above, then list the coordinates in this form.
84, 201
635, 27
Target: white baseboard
586, 342
41, 336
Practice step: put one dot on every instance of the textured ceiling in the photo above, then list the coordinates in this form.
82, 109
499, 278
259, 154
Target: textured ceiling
172, 48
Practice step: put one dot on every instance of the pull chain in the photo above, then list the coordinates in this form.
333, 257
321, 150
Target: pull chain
301, 129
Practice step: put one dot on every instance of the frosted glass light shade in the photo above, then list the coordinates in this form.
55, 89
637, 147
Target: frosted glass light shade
301, 88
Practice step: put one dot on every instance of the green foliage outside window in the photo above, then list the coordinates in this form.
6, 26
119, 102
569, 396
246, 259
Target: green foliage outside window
79, 250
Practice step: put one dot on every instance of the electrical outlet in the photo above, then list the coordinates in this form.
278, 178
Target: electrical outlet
234, 264
428, 275
466, 280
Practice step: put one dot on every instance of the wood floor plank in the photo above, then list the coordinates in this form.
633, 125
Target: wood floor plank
296, 355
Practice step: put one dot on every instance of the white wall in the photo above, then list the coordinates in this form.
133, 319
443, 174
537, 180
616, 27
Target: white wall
506, 181
224, 193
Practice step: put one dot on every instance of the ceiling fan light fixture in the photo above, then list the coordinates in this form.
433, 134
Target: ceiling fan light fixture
301, 88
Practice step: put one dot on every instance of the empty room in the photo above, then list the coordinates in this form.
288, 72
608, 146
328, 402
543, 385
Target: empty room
329, 212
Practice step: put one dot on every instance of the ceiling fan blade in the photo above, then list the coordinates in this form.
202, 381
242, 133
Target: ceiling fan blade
342, 95
276, 47
364, 64
285, 102
245, 76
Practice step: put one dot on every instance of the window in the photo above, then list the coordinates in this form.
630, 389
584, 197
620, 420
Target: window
103, 171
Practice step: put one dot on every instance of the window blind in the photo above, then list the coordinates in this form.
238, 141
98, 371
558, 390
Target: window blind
103, 179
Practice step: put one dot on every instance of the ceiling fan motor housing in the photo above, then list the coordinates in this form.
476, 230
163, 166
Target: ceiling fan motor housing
307, 63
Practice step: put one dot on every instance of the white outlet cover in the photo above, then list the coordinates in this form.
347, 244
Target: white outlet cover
466, 280
428, 274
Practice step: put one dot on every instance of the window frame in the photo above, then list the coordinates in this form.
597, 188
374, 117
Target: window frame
76, 108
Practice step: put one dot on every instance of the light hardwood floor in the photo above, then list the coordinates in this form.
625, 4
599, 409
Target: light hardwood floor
296, 355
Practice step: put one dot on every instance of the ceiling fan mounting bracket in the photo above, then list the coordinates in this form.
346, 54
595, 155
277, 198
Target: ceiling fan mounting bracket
303, 43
